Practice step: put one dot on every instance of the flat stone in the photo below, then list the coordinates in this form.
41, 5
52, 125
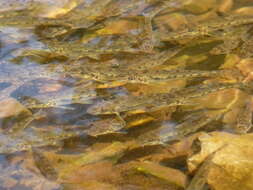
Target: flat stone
225, 6
197, 7
246, 11
170, 175
10, 107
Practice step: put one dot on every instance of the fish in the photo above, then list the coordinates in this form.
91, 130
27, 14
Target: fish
64, 95
47, 30
104, 127
117, 106
77, 50
24, 123
60, 100
158, 7
44, 165
153, 102
135, 104
150, 76
209, 28
244, 119
170, 132
102, 75
128, 103
232, 38
24, 140
147, 61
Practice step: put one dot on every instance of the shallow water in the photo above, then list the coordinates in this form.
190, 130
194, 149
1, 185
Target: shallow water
97, 94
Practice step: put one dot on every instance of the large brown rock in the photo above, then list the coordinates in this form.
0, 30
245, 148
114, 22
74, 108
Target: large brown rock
232, 164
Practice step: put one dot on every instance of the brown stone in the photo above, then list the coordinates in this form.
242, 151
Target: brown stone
10, 107
170, 175
225, 6
12, 112
248, 11
175, 21
197, 7
231, 161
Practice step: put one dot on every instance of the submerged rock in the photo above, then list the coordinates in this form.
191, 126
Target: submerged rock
12, 113
231, 161
195, 6
12, 108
